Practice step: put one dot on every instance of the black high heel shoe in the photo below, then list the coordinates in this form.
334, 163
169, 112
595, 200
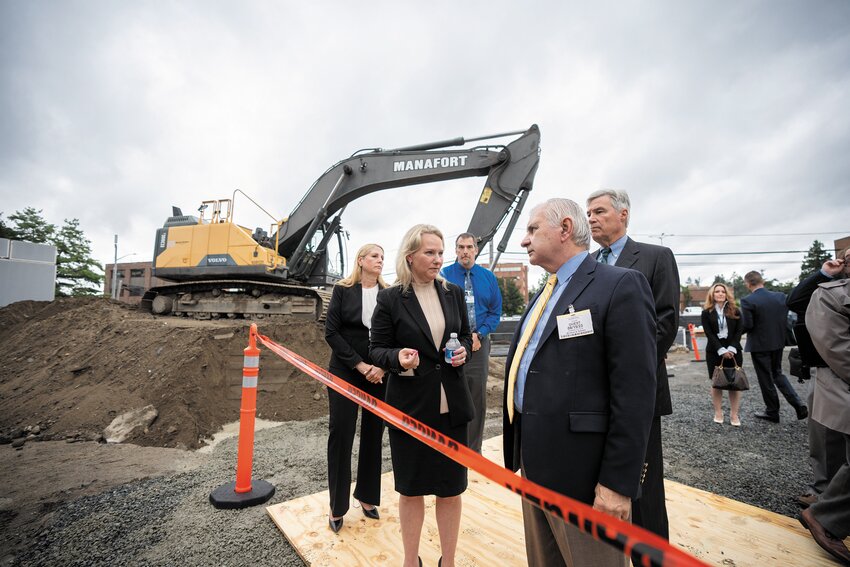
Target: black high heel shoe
371, 514
335, 525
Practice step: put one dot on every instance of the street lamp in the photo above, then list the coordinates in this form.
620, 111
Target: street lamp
115, 269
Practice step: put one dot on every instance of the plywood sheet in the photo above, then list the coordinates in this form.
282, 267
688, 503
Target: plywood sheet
717, 530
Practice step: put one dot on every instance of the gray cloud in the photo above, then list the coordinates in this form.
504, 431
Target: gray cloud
718, 118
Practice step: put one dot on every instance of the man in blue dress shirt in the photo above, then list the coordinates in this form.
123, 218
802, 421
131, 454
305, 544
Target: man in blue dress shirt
484, 308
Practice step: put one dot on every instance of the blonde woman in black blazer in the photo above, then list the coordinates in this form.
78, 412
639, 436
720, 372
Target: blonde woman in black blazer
412, 322
347, 332
721, 316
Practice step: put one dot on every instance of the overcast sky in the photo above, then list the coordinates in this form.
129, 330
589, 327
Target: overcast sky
727, 122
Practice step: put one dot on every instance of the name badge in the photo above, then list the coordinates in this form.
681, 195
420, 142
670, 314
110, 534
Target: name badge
575, 324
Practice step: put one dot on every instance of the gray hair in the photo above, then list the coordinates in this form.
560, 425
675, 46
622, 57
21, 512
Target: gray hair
619, 200
556, 210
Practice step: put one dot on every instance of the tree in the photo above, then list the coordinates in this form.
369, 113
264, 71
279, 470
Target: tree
7, 231
815, 257
512, 300
776, 285
75, 268
31, 226
539, 285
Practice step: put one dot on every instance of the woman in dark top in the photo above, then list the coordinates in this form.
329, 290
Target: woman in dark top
347, 326
721, 322
412, 322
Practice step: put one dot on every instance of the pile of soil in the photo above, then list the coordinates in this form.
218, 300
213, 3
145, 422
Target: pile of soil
73, 365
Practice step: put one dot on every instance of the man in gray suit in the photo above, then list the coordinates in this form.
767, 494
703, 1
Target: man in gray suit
765, 318
826, 447
828, 321
608, 213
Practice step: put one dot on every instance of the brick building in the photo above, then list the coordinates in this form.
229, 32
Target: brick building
133, 278
516, 271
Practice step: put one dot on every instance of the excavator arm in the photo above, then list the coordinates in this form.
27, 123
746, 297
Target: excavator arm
510, 171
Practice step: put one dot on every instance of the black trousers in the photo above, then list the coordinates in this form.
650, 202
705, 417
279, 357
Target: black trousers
342, 425
768, 365
650, 510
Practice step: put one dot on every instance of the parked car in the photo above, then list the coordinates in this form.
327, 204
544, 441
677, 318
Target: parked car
692, 311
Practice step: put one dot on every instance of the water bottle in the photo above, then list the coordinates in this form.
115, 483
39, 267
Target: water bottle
451, 346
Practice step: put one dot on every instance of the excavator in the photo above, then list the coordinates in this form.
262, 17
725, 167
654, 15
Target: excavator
218, 268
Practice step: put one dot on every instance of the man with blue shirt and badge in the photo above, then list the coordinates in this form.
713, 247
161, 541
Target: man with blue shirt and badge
580, 386
484, 308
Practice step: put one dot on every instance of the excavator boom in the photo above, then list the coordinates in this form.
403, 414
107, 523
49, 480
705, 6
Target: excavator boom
509, 169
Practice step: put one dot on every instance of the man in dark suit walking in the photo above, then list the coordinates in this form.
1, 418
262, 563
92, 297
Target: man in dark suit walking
608, 212
765, 318
580, 386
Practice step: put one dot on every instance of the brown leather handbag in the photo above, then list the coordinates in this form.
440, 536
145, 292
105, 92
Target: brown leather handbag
725, 378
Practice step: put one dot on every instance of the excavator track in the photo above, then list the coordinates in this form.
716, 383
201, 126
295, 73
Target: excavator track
246, 299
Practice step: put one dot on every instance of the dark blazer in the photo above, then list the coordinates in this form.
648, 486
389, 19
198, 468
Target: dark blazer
345, 332
765, 318
588, 401
658, 265
800, 296
711, 326
798, 302
399, 322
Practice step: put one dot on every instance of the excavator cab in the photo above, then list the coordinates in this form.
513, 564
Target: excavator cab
213, 246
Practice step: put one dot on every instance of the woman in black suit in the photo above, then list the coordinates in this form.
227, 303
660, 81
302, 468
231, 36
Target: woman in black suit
412, 322
347, 332
721, 322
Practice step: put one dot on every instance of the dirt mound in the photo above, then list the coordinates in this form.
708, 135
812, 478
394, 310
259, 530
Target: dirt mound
70, 366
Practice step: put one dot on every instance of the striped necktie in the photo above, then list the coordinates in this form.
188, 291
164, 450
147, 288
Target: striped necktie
533, 319
603, 255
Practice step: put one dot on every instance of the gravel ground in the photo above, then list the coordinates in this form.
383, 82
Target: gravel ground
168, 520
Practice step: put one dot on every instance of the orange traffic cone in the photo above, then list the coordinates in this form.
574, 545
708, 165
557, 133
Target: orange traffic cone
243, 492
691, 330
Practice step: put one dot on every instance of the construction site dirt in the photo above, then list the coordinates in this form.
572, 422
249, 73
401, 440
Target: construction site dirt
69, 367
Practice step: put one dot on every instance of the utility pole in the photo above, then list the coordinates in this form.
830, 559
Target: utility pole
115, 271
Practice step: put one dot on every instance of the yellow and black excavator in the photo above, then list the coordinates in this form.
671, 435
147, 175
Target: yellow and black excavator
222, 269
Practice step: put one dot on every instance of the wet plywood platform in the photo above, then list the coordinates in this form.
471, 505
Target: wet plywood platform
715, 529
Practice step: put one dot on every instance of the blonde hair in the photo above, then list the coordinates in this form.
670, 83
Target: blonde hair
356, 275
731, 310
412, 242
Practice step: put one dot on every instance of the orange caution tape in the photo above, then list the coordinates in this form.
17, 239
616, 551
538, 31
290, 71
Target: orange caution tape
644, 547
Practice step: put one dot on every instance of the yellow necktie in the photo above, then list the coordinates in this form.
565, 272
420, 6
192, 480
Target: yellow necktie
533, 319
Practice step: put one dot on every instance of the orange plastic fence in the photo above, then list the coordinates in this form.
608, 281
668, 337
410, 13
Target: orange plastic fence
645, 547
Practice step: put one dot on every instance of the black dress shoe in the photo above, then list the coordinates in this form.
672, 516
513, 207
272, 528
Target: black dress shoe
767, 417
826, 540
335, 525
802, 412
371, 514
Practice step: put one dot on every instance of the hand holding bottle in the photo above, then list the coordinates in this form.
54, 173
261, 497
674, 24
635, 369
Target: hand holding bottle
455, 353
